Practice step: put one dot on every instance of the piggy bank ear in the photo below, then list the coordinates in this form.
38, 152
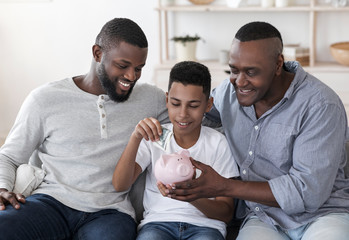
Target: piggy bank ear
184, 152
164, 160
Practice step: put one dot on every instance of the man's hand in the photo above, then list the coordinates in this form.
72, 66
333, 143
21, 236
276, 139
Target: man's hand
209, 184
7, 197
164, 189
149, 129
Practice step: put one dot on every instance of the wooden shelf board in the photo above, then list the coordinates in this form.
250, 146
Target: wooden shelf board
218, 8
328, 67
251, 8
214, 65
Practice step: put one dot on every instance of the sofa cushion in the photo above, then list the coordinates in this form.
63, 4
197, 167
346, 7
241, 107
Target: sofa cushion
28, 178
136, 196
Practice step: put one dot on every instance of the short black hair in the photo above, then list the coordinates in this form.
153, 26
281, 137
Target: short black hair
256, 31
121, 30
190, 72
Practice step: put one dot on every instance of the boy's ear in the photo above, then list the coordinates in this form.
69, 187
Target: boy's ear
209, 104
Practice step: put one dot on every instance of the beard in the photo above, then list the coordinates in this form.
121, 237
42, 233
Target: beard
109, 87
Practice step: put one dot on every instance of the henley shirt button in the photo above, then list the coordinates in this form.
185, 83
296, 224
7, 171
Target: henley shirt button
256, 127
244, 172
103, 126
103, 115
102, 97
250, 153
100, 106
257, 209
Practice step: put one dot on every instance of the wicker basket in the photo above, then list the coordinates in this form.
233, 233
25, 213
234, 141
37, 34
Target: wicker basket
201, 2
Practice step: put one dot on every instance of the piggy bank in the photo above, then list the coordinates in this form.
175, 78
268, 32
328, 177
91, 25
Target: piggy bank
175, 167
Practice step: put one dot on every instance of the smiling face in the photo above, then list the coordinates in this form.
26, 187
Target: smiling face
255, 66
186, 106
120, 68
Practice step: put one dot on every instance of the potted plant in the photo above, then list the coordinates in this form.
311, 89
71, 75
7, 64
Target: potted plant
186, 47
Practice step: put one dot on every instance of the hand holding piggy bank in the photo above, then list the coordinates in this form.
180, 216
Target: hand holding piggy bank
176, 167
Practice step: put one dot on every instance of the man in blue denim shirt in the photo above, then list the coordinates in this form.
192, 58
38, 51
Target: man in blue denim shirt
287, 131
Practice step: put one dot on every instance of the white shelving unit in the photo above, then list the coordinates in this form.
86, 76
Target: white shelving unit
332, 73
312, 9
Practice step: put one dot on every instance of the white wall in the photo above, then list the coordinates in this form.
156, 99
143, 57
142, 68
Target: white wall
43, 41
47, 41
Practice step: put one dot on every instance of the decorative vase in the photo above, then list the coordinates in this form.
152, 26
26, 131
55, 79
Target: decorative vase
186, 51
281, 3
167, 2
233, 3
223, 57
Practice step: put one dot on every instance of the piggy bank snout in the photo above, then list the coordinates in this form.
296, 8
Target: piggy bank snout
183, 170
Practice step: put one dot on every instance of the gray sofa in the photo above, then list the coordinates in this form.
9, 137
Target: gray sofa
29, 178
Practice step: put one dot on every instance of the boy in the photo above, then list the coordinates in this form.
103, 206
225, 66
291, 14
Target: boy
164, 218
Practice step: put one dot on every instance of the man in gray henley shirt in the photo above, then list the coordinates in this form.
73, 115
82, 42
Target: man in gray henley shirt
78, 128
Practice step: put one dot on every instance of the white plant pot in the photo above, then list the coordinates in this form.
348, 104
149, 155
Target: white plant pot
233, 3
186, 51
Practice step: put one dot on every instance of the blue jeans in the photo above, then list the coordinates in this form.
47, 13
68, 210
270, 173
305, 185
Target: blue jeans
43, 217
177, 231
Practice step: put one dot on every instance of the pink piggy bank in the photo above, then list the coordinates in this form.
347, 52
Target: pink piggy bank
175, 167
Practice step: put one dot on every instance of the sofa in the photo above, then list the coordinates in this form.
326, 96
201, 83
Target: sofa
29, 176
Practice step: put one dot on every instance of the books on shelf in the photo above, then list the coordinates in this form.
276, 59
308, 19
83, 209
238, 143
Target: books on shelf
294, 52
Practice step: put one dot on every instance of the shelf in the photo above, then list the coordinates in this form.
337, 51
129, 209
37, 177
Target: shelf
251, 8
333, 74
214, 65
211, 64
330, 9
328, 67
311, 9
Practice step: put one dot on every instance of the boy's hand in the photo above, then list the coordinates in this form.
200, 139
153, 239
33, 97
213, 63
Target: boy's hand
163, 188
149, 129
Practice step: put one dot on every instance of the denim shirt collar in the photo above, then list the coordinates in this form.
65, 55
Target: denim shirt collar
300, 75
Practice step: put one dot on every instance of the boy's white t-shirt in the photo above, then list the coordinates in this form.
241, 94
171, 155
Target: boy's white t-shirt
212, 149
